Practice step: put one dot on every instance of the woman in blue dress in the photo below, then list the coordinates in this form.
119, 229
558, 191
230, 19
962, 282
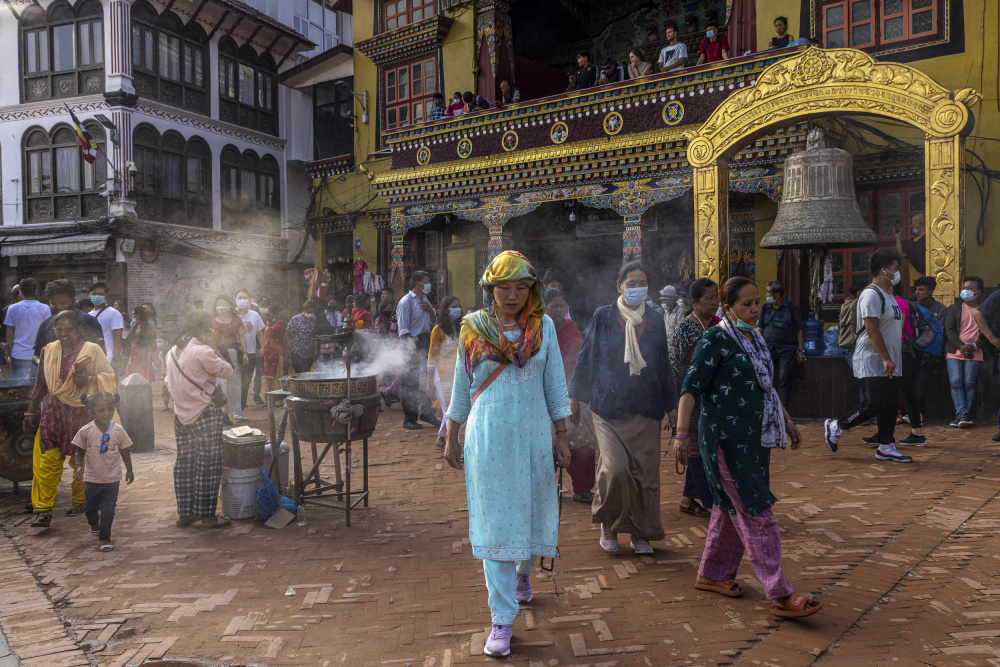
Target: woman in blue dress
509, 389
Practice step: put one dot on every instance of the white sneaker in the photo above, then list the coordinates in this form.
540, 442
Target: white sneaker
831, 434
239, 416
890, 453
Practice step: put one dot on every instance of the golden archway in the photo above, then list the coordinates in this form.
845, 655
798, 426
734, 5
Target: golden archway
818, 83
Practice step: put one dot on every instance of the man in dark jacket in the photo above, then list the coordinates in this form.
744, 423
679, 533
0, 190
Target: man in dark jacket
586, 74
61, 295
781, 325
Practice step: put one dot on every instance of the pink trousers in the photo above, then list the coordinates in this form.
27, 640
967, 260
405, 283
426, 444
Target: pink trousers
729, 535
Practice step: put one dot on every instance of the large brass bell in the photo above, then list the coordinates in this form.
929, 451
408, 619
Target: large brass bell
818, 205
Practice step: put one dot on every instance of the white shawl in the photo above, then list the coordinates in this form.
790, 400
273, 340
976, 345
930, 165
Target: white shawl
633, 318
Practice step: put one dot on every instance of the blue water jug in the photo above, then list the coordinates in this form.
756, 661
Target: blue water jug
812, 333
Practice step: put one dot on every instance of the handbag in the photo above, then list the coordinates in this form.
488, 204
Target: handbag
219, 398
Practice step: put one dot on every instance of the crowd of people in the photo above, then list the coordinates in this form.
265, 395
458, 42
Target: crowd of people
673, 57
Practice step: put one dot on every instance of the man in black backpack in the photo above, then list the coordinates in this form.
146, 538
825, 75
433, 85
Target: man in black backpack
927, 361
877, 359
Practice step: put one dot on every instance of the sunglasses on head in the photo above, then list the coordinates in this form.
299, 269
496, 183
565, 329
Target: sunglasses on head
105, 439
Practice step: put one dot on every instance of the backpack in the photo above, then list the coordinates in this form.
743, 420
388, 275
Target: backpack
928, 334
847, 333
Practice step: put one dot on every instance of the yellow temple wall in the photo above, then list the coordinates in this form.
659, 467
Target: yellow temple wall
768, 11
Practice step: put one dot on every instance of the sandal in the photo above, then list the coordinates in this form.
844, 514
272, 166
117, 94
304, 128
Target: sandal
42, 520
184, 522
75, 510
696, 509
796, 607
730, 589
106, 546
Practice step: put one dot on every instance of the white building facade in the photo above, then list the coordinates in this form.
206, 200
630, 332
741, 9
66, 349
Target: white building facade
200, 185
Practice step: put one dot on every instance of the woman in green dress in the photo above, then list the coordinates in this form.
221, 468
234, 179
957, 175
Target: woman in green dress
742, 420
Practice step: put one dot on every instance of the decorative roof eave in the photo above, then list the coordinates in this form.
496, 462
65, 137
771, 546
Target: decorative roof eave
652, 87
334, 166
335, 224
406, 42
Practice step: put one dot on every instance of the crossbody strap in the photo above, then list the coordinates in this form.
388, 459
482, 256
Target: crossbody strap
487, 382
181, 371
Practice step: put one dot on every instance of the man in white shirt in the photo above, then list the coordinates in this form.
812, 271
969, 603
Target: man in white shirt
415, 318
253, 329
674, 54
111, 321
22, 321
878, 359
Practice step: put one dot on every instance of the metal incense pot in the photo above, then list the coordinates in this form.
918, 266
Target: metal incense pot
819, 209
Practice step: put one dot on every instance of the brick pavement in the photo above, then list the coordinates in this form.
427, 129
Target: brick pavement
903, 558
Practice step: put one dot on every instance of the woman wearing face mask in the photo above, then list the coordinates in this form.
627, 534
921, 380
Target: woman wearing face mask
301, 329
623, 373
441, 357
696, 498
231, 343
963, 347
742, 420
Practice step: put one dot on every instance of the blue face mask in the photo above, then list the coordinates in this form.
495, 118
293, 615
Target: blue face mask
455, 313
967, 295
97, 299
633, 296
710, 34
243, 303
740, 324
770, 299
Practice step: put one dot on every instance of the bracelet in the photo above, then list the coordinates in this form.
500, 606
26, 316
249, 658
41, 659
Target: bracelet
560, 430
680, 436
30, 414
789, 421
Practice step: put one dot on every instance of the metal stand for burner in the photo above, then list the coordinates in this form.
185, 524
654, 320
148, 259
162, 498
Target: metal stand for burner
350, 498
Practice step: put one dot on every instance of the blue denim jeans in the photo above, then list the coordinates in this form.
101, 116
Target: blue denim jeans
962, 376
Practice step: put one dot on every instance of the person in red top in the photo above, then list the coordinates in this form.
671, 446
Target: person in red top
714, 47
362, 318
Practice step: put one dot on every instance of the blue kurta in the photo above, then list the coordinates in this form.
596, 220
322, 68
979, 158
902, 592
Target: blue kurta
509, 471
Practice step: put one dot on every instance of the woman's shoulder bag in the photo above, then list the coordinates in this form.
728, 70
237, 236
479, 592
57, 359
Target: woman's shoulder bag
219, 398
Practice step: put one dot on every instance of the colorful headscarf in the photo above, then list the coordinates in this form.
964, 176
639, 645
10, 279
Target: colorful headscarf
480, 336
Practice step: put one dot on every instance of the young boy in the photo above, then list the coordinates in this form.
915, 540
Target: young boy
103, 444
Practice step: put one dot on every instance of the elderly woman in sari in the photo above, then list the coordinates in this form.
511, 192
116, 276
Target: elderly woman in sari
580, 437
510, 387
742, 420
623, 374
69, 368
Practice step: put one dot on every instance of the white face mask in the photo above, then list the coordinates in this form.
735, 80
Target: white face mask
455, 313
427, 288
243, 303
896, 277
222, 310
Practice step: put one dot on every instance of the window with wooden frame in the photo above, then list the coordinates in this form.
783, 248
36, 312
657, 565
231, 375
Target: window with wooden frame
399, 13
247, 91
408, 91
169, 59
62, 50
876, 24
173, 178
250, 200
59, 183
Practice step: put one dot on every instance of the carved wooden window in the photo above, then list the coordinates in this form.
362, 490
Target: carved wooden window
878, 24
173, 178
333, 112
59, 183
62, 50
247, 91
408, 91
399, 13
250, 184
169, 60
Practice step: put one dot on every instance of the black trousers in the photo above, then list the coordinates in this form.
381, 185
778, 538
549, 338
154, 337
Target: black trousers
246, 374
300, 364
879, 399
412, 394
99, 501
784, 372
919, 374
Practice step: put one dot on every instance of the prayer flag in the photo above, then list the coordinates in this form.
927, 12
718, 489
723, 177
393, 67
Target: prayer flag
87, 144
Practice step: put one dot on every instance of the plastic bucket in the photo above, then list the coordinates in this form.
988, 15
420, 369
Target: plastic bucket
238, 494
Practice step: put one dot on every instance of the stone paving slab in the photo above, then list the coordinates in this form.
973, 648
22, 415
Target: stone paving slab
904, 559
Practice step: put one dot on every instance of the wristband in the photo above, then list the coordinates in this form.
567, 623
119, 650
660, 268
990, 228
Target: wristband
789, 421
560, 430
680, 436
30, 414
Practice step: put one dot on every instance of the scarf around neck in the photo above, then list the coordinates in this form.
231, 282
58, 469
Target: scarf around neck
633, 318
481, 339
772, 430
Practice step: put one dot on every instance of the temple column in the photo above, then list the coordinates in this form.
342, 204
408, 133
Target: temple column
711, 221
494, 47
499, 241
632, 243
120, 96
944, 183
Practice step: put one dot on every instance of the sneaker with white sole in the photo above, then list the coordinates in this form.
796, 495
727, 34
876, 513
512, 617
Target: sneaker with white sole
964, 421
640, 546
890, 453
240, 417
831, 434
523, 592
954, 422
498, 644
609, 540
